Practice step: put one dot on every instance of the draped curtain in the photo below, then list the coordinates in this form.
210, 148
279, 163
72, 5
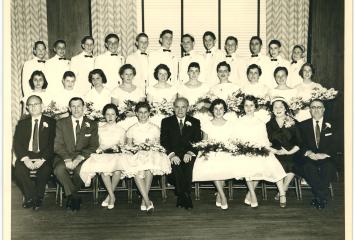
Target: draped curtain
112, 16
287, 21
28, 25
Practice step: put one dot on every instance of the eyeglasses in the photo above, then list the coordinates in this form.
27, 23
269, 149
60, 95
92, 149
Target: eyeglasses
316, 107
34, 104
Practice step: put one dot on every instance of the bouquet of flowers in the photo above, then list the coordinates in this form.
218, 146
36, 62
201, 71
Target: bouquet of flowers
54, 111
143, 147
234, 102
199, 105
128, 107
92, 113
165, 108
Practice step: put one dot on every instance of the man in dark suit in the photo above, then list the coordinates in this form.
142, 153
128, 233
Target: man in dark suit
76, 138
178, 133
33, 146
318, 150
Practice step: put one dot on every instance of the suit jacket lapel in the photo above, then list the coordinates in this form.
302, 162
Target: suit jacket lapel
71, 138
312, 135
28, 131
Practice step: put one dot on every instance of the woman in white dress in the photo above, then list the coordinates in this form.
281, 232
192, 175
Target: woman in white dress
148, 163
127, 91
282, 89
297, 58
99, 95
38, 84
304, 89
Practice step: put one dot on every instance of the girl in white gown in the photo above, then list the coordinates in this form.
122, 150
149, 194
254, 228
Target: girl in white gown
282, 89
304, 89
127, 91
297, 58
99, 95
147, 163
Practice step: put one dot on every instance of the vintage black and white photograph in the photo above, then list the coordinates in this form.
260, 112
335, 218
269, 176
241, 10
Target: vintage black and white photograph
179, 119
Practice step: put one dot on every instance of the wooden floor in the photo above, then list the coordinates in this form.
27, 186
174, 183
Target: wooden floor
205, 221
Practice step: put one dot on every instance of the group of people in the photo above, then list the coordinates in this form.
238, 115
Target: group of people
76, 147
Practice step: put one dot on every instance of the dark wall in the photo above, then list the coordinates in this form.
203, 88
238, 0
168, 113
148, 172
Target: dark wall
327, 53
68, 20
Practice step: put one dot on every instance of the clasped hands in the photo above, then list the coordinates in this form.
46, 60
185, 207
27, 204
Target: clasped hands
176, 160
34, 163
316, 156
282, 151
71, 164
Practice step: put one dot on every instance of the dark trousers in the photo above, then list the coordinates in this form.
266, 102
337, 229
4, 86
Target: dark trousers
182, 175
319, 174
71, 182
32, 188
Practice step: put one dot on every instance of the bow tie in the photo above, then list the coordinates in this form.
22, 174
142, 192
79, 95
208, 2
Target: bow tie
293, 61
62, 58
166, 50
254, 55
143, 53
228, 56
208, 51
273, 59
41, 61
186, 54
89, 56
114, 54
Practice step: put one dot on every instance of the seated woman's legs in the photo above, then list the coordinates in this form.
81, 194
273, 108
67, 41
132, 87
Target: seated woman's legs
221, 197
142, 186
252, 196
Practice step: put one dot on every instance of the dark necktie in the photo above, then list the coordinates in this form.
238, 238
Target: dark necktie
89, 56
317, 133
114, 54
293, 62
228, 56
41, 61
77, 130
166, 50
187, 54
254, 55
181, 126
143, 53
62, 58
208, 51
35, 137
273, 59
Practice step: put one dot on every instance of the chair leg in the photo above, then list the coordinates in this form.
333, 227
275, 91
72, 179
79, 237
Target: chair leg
129, 190
331, 190
197, 191
230, 189
300, 187
163, 187
263, 190
296, 188
61, 196
57, 194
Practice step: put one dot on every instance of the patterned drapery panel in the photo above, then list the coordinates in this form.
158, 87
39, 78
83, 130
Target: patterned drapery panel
287, 21
28, 25
112, 16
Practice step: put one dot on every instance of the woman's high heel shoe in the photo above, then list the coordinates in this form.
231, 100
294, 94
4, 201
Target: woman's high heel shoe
282, 204
111, 205
150, 208
105, 202
143, 207
218, 203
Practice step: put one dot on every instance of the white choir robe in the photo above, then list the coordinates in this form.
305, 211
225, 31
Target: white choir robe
269, 68
28, 68
294, 78
237, 73
82, 66
184, 63
139, 61
99, 100
110, 65
211, 61
54, 71
160, 57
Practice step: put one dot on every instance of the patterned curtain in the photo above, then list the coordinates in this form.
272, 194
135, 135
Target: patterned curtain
287, 21
112, 16
28, 24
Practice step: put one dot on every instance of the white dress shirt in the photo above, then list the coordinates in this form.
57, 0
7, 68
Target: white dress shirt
294, 78
111, 65
32, 132
28, 68
211, 61
73, 119
139, 61
320, 123
269, 68
184, 63
82, 66
54, 70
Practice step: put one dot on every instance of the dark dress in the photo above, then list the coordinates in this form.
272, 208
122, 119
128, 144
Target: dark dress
286, 138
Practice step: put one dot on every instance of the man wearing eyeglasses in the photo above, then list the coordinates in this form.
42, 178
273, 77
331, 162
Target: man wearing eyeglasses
318, 150
33, 146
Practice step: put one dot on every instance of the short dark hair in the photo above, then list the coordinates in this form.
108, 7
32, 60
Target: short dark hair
33, 96
184, 99
278, 69
300, 47
231, 38
39, 43
111, 35
317, 100
276, 42
189, 36
254, 66
97, 71
209, 33
305, 65
38, 73
68, 74
248, 98
224, 63
59, 41
126, 66
287, 108
142, 34
161, 66
76, 99
166, 31
217, 102
195, 65
110, 106
256, 38
83, 40
141, 104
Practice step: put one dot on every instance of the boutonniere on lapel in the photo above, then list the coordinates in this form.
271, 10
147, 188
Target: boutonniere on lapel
87, 124
289, 122
327, 125
188, 123
45, 124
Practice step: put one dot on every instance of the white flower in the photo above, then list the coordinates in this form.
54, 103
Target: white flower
328, 125
188, 123
45, 124
87, 124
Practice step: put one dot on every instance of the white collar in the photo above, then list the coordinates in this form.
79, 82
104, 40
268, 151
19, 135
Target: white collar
73, 119
39, 118
320, 122
178, 119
